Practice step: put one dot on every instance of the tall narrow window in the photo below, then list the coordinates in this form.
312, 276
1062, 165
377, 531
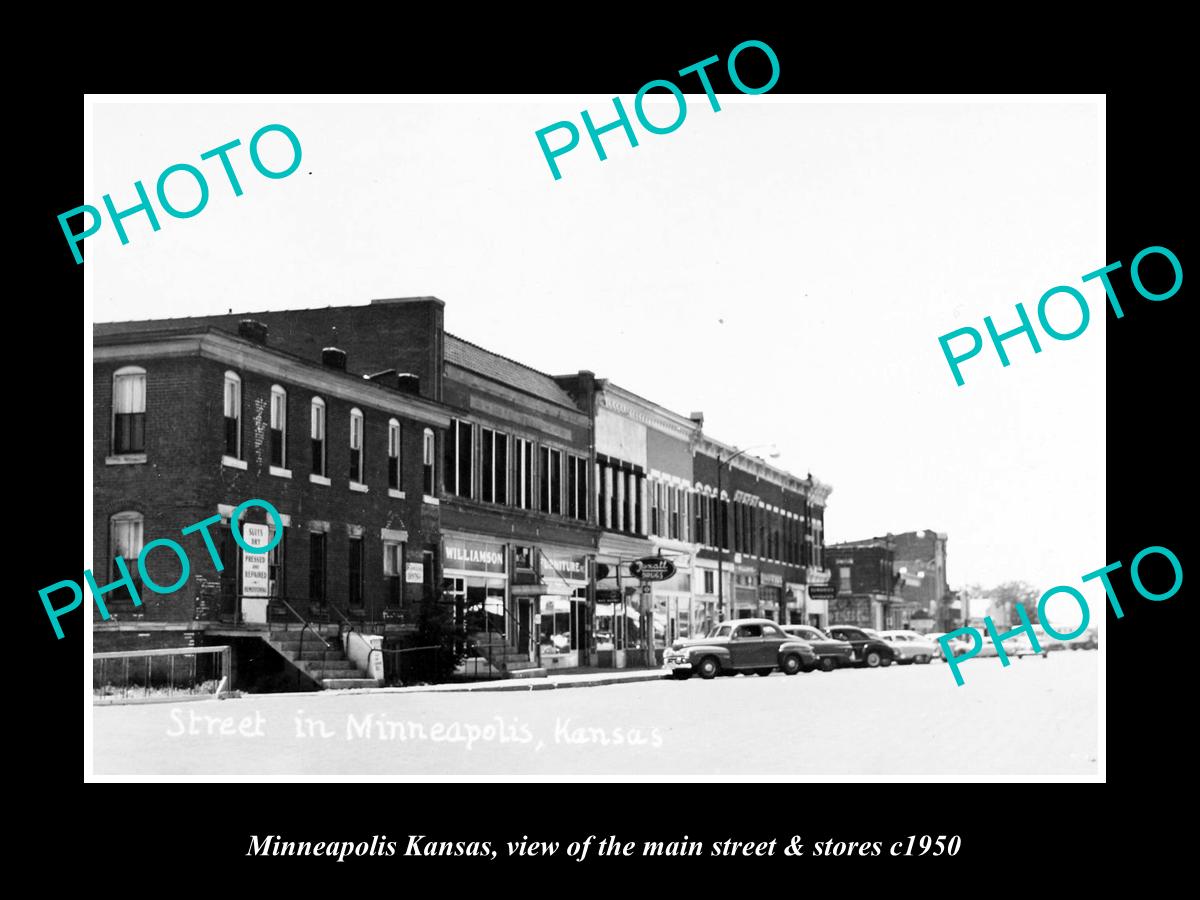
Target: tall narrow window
354, 593
556, 485
626, 501
278, 427
316, 567
524, 473
544, 479
577, 487
276, 569
129, 410
674, 492
393, 566
233, 415
125, 541
654, 505
493, 466
698, 504
457, 469
427, 456
318, 436
356, 446
639, 520
394, 455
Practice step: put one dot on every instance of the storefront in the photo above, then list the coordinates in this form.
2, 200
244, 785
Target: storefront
770, 597
562, 621
675, 612
475, 580
745, 592
794, 597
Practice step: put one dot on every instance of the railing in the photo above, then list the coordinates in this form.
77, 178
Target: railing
217, 675
397, 674
300, 651
481, 619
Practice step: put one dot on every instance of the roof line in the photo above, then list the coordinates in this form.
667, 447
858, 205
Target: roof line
505, 358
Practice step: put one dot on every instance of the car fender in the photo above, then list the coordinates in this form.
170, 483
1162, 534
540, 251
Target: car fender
696, 652
803, 648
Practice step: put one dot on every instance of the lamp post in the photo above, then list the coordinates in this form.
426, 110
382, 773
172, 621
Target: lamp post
774, 454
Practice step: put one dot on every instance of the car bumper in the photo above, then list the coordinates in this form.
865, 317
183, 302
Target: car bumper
676, 664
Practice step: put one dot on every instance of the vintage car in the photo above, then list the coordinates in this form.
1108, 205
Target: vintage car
1089, 640
741, 645
830, 653
910, 647
866, 647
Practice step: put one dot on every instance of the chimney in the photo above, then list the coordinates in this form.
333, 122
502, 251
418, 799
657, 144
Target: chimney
408, 383
334, 358
698, 418
253, 330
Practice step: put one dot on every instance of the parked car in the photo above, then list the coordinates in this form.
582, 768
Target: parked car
1089, 640
910, 647
866, 648
830, 653
1047, 642
743, 645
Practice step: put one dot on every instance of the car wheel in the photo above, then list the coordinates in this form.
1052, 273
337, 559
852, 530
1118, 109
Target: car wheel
681, 674
886, 662
873, 659
763, 672
828, 664
791, 664
709, 667
904, 662
923, 660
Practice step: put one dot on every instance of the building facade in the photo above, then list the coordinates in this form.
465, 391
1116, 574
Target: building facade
761, 535
921, 567
863, 574
191, 420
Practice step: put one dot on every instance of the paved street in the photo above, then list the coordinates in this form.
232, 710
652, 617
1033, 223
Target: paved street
1038, 716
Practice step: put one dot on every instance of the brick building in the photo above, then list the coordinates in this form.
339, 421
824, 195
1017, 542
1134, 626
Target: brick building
192, 419
863, 574
921, 567
766, 528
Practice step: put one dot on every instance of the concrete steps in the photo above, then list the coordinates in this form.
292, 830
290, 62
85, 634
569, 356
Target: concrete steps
325, 665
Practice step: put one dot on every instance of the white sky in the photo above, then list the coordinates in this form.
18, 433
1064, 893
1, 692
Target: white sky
784, 266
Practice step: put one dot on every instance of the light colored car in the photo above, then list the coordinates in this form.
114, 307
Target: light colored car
910, 647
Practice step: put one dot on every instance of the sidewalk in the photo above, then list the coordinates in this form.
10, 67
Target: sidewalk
560, 680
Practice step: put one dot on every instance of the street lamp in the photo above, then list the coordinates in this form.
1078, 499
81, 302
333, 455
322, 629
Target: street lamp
774, 454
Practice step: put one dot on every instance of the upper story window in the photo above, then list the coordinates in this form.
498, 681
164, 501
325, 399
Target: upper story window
233, 415
577, 487
493, 466
457, 469
317, 433
394, 454
278, 427
524, 473
428, 454
356, 446
129, 410
550, 466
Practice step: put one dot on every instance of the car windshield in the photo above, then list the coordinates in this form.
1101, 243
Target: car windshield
718, 631
811, 634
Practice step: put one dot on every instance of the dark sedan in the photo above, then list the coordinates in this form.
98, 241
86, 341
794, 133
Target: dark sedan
743, 645
866, 648
830, 653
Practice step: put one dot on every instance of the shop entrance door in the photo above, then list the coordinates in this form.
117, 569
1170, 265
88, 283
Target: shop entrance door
524, 624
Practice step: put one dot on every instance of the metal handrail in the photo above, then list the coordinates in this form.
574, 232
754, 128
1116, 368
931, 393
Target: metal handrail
300, 651
502, 633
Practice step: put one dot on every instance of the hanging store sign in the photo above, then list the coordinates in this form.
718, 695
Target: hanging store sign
821, 592
652, 568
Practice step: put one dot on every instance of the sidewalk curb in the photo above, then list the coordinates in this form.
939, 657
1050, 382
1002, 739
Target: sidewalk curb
508, 684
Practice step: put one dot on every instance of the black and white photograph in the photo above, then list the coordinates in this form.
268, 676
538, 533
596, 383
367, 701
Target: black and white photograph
697, 433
